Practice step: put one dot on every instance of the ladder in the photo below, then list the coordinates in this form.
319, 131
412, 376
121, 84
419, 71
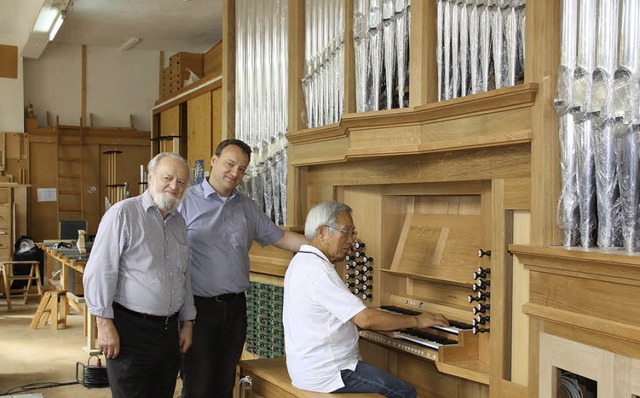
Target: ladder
70, 172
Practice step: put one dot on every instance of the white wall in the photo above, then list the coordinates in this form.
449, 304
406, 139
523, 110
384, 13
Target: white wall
11, 95
118, 84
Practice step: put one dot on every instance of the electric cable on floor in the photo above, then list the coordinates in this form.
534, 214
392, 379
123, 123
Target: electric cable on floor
36, 386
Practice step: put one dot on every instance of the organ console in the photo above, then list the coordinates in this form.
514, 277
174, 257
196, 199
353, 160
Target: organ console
435, 258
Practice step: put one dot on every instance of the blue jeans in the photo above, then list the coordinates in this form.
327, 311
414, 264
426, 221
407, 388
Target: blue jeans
209, 367
367, 378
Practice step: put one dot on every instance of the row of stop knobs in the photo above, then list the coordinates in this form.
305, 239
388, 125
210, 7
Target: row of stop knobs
359, 272
482, 295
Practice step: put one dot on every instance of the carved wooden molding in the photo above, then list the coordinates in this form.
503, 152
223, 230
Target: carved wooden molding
495, 118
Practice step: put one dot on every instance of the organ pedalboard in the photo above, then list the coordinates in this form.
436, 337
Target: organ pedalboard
359, 272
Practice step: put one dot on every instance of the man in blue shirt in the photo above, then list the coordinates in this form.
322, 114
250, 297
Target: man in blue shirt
222, 224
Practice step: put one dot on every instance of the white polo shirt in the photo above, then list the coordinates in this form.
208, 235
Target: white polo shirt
320, 340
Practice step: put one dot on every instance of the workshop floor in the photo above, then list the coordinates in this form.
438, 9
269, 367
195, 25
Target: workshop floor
43, 355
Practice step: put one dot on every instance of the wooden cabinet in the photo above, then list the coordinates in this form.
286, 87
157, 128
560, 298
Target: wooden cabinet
6, 223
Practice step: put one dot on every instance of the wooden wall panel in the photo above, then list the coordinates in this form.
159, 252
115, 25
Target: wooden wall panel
170, 122
199, 133
43, 216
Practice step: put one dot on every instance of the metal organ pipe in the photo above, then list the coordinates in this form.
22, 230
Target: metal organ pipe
261, 111
597, 104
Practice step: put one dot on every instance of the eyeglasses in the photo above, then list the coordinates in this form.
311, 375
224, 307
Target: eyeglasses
352, 234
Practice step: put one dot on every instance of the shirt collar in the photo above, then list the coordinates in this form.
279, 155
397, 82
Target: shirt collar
208, 190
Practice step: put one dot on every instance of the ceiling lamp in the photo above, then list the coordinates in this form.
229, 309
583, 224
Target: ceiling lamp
56, 26
129, 44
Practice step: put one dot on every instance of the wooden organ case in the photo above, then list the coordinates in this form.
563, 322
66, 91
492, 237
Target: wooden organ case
431, 185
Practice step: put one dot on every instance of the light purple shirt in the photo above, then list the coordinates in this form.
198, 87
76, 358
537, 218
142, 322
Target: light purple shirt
139, 260
220, 236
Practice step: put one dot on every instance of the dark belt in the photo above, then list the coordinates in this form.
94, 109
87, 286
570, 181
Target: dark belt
223, 297
165, 319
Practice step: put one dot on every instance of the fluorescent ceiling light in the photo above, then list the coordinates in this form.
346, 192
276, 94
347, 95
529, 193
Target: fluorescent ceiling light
56, 26
130, 43
45, 20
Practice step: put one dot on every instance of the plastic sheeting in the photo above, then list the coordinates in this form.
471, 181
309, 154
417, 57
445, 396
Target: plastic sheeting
599, 129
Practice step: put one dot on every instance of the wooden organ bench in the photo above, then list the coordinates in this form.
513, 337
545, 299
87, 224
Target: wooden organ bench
270, 379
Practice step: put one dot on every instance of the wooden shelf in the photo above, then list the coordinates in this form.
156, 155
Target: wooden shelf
427, 278
477, 371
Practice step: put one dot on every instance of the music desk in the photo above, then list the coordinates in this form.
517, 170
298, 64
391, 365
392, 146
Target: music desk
71, 261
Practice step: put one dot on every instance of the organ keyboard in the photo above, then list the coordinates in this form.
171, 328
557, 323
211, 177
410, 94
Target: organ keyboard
455, 345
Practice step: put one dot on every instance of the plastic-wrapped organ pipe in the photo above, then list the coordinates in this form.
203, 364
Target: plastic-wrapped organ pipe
446, 57
402, 46
455, 49
405, 90
585, 62
608, 194
389, 41
602, 92
497, 41
326, 67
375, 53
568, 55
284, 66
474, 54
511, 45
284, 161
440, 46
568, 204
628, 156
277, 192
464, 47
522, 22
275, 181
628, 53
586, 181
361, 47
341, 30
485, 47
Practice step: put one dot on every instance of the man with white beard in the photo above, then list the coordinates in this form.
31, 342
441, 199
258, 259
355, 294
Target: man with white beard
138, 286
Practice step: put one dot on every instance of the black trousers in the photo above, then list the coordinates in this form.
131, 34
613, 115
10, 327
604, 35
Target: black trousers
149, 359
209, 367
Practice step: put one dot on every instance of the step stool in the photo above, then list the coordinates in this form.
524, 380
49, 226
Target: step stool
48, 308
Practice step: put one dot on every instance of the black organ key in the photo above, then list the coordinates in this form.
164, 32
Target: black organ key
400, 310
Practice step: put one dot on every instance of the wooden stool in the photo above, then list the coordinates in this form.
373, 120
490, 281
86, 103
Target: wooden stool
270, 379
48, 308
8, 277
